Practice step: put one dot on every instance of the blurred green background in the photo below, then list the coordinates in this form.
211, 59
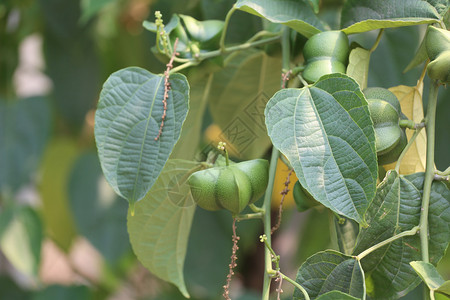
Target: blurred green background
63, 230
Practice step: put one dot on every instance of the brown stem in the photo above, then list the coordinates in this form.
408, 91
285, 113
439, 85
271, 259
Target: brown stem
167, 88
233, 264
284, 192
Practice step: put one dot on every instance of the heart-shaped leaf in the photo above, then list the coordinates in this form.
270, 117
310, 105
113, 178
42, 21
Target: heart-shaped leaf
296, 14
366, 15
326, 133
330, 270
396, 208
333, 295
160, 228
127, 123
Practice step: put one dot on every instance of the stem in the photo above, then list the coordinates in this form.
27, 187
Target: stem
184, 66
294, 283
225, 27
267, 226
407, 123
272, 170
243, 46
258, 215
429, 169
444, 173
410, 232
377, 41
256, 209
410, 142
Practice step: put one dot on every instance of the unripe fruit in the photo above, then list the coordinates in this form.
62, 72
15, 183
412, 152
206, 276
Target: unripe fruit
439, 68
325, 53
302, 198
437, 43
230, 187
385, 112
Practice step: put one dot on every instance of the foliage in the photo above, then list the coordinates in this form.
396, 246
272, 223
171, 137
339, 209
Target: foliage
180, 77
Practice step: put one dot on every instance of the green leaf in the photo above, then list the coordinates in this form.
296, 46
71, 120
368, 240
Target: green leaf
444, 288
296, 14
330, 270
428, 273
58, 160
89, 8
326, 133
24, 129
99, 214
160, 228
420, 57
334, 295
366, 15
347, 233
396, 208
57, 292
72, 60
21, 236
187, 145
442, 6
127, 122
314, 5
239, 94
358, 66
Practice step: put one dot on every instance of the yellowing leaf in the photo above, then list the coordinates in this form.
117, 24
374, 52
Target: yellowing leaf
278, 185
410, 98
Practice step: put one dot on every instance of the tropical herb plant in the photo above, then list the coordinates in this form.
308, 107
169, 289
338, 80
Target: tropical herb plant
347, 144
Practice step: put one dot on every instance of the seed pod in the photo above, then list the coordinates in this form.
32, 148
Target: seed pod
302, 198
325, 53
439, 68
230, 187
385, 113
436, 42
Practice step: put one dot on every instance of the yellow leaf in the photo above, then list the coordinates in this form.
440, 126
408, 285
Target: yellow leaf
410, 98
278, 185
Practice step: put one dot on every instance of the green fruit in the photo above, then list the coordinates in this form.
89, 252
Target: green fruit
385, 112
436, 42
325, 53
302, 198
230, 187
206, 33
439, 68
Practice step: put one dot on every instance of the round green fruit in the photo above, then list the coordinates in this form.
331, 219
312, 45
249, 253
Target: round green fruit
439, 68
385, 112
325, 53
302, 198
230, 187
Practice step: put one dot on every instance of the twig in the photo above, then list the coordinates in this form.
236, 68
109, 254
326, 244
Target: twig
284, 192
167, 88
285, 78
279, 279
233, 264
